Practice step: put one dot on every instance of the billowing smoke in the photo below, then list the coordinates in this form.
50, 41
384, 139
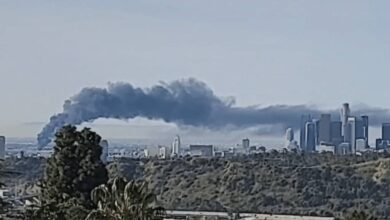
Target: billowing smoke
185, 102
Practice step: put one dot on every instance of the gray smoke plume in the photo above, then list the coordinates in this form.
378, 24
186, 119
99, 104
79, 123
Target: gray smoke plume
185, 102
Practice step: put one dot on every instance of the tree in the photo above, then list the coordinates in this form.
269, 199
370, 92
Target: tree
122, 200
4, 172
72, 172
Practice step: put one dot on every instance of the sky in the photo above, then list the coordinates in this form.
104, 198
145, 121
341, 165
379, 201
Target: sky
312, 52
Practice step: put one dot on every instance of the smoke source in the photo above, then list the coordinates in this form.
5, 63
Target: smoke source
185, 102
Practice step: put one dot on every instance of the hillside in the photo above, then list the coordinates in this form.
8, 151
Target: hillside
270, 183
319, 184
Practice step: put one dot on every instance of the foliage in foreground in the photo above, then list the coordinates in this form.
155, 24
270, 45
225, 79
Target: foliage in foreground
72, 172
122, 200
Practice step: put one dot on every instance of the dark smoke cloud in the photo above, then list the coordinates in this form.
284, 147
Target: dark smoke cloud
185, 102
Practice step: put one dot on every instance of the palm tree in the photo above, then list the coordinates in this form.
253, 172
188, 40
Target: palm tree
122, 200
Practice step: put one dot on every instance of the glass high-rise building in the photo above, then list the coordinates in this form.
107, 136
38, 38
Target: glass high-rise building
176, 145
324, 129
246, 143
335, 133
365, 129
310, 137
302, 136
351, 133
344, 114
386, 131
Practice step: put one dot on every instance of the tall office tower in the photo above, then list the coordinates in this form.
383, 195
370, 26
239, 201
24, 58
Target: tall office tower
246, 143
335, 130
176, 145
302, 136
359, 129
345, 113
2, 147
324, 129
352, 132
316, 131
310, 139
386, 131
104, 155
365, 129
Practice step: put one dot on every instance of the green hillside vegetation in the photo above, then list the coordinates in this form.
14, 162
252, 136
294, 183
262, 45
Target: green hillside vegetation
284, 183
320, 184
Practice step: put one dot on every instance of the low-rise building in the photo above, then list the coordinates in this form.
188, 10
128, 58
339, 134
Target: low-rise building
202, 150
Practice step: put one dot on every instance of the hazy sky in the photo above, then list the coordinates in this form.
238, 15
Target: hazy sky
261, 52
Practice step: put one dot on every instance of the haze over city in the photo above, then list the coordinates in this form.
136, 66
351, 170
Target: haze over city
266, 52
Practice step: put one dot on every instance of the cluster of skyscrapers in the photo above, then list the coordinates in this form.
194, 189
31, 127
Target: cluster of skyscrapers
383, 143
349, 134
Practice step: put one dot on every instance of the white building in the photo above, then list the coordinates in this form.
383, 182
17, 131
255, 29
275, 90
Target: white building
343, 148
326, 148
146, 153
202, 150
2, 147
176, 146
163, 152
104, 155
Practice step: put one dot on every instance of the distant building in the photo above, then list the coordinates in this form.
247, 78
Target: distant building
384, 142
324, 129
146, 153
246, 143
357, 130
153, 151
335, 133
344, 115
219, 154
310, 137
386, 131
326, 148
343, 148
163, 152
302, 139
316, 131
104, 155
176, 146
2, 147
381, 144
202, 150
365, 127
360, 145
352, 133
